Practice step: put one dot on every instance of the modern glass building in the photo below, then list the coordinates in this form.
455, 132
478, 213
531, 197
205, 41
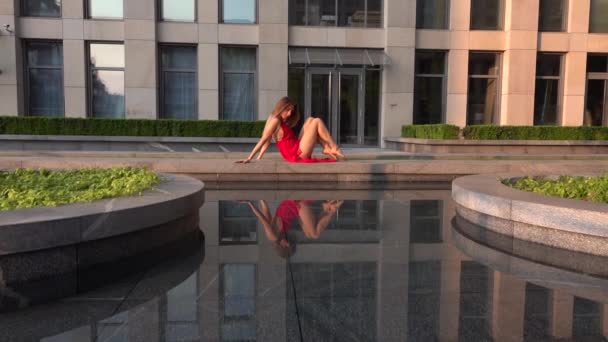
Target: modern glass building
366, 67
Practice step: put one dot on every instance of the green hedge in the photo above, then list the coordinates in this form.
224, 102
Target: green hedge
130, 127
493, 132
438, 131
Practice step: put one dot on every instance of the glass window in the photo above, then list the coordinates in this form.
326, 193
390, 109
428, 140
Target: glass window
178, 82
239, 11
598, 20
486, 14
596, 98
41, 8
432, 14
551, 15
373, 84
238, 224
345, 13
178, 10
238, 295
429, 87
107, 80
546, 95
238, 83
106, 9
426, 217
482, 101
44, 76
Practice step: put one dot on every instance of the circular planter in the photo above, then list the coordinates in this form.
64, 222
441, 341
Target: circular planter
563, 223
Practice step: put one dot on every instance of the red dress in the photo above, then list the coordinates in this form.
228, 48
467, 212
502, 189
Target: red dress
289, 146
287, 212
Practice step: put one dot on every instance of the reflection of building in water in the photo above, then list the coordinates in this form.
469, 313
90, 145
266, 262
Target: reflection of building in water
393, 276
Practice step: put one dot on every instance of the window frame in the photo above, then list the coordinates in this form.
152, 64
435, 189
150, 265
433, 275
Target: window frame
497, 77
159, 10
446, 23
26, 72
220, 14
162, 82
23, 15
90, 70
444, 81
564, 26
365, 26
501, 18
87, 12
221, 79
560, 86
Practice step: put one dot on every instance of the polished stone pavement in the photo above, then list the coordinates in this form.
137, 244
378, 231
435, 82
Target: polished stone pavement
389, 266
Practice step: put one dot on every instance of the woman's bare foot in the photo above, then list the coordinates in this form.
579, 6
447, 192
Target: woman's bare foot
330, 153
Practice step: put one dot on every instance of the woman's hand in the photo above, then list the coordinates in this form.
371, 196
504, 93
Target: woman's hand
244, 161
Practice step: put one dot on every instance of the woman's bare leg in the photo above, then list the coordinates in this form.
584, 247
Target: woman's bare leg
316, 132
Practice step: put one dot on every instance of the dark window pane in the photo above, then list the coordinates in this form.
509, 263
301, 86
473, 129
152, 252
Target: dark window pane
428, 100
296, 91
179, 57
238, 59
424, 289
486, 14
351, 13
586, 322
239, 11
238, 97
108, 88
42, 8
598, 20
597, 63
425, 221
551, 16
181, 10
596, 103
372, 107
44, 54
179, 95
430, 62
238, 225
45, 92
432, 14
474, 302
548, 64
481, 102
545, 102
107, 55
321, 13
374, 13
536, 313
108, 9
483, 64
297, 12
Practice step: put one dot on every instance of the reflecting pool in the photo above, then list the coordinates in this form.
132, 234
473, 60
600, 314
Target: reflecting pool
340, 265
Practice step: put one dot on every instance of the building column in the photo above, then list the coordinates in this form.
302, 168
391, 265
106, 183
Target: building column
272, 54
561, 309
208, 60
508, 308
519, 62
140, 60
458, 63
398, 77
10, 63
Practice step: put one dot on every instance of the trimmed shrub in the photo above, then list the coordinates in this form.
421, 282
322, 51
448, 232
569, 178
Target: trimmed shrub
130, 127
593, 189
436, 131
494, 132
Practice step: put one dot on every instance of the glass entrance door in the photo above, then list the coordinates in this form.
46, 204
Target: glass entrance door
337, 97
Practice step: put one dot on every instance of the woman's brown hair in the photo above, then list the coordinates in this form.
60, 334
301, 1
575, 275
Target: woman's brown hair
285, 103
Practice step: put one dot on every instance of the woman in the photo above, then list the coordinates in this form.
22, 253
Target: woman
288, 211
284, 116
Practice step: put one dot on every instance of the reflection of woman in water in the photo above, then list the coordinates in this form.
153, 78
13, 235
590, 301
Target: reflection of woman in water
275, 228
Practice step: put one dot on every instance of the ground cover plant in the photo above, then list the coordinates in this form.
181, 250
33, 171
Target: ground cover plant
593, 189
26, 188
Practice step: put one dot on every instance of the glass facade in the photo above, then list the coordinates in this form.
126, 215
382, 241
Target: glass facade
547, 92
432, 14
239, 11
44, 77
41, 8
598, 17
484, 77
429, 86
551, 15
105, 9
107, 80
238, 83
178, 10
179, 88
343, 13
486, 14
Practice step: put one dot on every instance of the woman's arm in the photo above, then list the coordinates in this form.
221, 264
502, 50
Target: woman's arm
269, 129
266, 221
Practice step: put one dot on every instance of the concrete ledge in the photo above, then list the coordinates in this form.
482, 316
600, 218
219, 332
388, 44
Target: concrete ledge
27, 230
497, 146
569, 224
